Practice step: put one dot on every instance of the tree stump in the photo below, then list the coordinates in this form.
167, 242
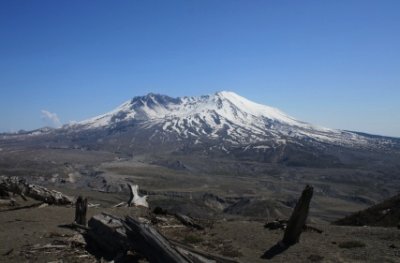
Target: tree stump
80, 211
298, 218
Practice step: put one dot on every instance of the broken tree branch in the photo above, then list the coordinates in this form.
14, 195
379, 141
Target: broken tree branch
121, 204
187, 221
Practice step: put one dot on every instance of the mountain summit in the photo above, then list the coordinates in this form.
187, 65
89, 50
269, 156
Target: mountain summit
228, 105
224, 115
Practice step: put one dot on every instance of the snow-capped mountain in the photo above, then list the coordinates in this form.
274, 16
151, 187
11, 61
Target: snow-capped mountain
224, 115
221, 125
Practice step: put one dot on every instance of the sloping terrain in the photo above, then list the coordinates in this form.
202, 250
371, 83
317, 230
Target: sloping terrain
386, 214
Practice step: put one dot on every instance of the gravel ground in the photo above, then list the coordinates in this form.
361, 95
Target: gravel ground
24, 233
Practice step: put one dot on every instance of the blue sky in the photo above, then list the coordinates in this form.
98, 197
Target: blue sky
332, 63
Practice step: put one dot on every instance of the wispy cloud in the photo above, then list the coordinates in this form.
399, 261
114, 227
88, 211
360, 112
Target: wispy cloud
51, 118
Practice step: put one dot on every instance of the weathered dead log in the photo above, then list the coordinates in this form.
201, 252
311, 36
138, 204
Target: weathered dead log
48, 196
187, 221
298, 218
116, 236
18, 186
80, 211
149, 242
109, 234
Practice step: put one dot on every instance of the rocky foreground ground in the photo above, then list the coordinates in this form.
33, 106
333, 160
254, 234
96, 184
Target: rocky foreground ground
39, 234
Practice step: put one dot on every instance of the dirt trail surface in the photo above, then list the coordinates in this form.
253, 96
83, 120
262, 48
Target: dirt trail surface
35, 235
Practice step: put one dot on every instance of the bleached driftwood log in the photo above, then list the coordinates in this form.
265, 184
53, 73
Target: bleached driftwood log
19, 186
134, 198
298, 218
116, 236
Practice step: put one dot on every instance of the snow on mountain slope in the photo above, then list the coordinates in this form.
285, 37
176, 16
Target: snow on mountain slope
223, 115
